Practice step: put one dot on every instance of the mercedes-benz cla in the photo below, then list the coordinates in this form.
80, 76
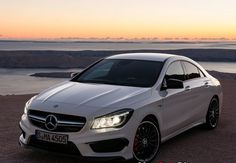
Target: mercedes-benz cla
123, 106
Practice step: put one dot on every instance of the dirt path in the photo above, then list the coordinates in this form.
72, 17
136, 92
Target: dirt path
195, 146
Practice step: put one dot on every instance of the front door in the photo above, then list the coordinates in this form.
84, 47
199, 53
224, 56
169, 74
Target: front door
175, 102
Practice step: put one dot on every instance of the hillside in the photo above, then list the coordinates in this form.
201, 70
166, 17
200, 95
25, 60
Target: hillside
80, 59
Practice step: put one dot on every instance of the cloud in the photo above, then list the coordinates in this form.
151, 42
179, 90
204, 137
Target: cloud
146, 38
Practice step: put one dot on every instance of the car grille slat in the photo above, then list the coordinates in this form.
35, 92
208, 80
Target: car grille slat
65, 123
36, 118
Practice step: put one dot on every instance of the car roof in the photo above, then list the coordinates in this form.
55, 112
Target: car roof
143, 56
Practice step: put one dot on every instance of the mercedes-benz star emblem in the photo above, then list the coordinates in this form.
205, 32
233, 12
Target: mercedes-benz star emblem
51, 122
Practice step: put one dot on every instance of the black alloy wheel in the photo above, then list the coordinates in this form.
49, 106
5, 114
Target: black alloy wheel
146, 142
212, 117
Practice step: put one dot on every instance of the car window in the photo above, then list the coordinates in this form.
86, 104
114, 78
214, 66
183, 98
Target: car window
101, 72
191, 70
175, 71
127, 72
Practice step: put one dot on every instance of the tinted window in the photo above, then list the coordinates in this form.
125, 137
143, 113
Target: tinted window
192, 70
127, 72
101, 72
175, 71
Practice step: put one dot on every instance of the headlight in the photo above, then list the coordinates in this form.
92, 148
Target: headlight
27, 104
112, 120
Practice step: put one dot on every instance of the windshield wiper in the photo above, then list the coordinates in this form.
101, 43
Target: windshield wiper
100, 81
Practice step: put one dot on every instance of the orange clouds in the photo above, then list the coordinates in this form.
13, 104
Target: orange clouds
112, 18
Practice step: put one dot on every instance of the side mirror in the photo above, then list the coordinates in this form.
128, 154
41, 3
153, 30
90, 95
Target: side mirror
172, 84
73, 74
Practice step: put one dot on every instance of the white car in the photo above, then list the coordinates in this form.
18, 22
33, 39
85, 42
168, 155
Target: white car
123, 106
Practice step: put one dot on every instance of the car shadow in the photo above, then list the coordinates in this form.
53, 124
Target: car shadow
45, 156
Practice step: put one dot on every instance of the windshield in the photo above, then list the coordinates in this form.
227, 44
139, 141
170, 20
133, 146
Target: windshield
127, 72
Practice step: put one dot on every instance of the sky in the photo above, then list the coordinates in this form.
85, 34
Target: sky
120, 19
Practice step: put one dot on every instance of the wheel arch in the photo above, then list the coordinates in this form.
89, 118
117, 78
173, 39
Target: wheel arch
216, 96
152, 118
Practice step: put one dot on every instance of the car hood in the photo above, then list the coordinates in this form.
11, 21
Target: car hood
87, 97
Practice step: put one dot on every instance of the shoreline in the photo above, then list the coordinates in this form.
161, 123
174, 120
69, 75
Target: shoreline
222, 77
216, 74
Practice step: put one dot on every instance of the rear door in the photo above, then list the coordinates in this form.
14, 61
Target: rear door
197, 86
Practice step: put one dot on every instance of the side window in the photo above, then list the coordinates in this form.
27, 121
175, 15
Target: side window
192, 71
175, 71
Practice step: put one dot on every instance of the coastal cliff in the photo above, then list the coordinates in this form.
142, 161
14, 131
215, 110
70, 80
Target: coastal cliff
81, 59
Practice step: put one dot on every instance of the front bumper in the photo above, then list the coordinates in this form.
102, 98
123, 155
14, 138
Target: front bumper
103, 143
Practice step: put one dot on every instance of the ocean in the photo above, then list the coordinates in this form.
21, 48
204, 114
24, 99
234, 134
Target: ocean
18, 81
106, 45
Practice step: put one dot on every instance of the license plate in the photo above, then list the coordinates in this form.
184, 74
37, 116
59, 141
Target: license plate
51, 137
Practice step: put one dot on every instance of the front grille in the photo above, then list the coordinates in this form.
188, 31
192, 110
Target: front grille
65, 123
69, 148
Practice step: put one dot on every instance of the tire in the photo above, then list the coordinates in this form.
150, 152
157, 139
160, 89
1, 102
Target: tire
212, 117
146, 142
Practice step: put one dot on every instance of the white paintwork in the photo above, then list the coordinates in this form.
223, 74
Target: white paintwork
143, 56
175, 109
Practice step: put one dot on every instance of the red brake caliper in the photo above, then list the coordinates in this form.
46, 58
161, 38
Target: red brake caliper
136, 143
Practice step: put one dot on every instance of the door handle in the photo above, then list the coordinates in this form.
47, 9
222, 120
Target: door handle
187, 88
206, 84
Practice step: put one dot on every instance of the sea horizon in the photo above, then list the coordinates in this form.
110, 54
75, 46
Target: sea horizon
80, 45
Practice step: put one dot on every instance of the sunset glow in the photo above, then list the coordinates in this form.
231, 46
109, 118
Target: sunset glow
128, 19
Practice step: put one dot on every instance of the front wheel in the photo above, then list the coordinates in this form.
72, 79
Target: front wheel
212, 117
146, 142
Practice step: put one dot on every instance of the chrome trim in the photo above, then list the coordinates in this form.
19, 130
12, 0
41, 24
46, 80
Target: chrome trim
59, 123
37, 118
69, 123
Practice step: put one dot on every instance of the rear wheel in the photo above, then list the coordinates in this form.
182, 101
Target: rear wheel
212, 117
146, 142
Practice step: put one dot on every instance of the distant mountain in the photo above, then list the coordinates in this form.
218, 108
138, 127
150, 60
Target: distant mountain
81, 59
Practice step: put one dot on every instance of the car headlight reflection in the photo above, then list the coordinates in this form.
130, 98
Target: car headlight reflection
112, 120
